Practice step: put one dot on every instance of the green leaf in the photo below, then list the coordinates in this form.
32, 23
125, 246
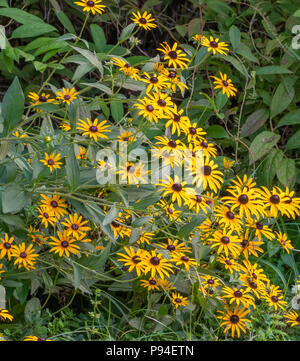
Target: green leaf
282, 98
101, 87
272, 69
286, 171
245, 51
117, 110
14, 198
111, 215
200, 55
185, 231
12, 220
262, 144
65, 21
277, 270
98, 36
91, 57
217, 132
234, 36
72, 169
77, 275
21, 16
3, 40
31, 30
32, 310
291, 118
127, 31
294, 141
41, 67
12, 106
238, 65
254, 122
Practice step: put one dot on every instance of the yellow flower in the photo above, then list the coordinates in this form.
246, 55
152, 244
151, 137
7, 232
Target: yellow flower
180, 258
293, 318
127, 69
179, 300
35, 338
176, 57
25, 257
4, 315
76, 226
132, 260
225, 84
52, 161
227, 163
145, 21
91, 6
93, 129
285, 243
234, 320
67, 95
64, 244
154, 263
6, 246
215, 46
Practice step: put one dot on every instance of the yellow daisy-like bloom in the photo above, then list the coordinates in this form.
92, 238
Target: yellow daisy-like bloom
193, 133
65, 125
252, 284
176, 121
168, 157
145, 21
1, 270
179, 300
151, 284
54, 205
238, 296
127, 136
209, 227
197, 203
5, 315
83, 153
148, 109
243, 183
119, 229
260, 229
40, 99
127, 69
37, 236
175, 188
133, 173
6, 246
225, 84
199, 38
293, 318
215, 46
180, 258
164, 103
67, 95
209, 149
52, 161
154, 263
25, 257
170, 210
76, 226
47, 217
165, 284
173, 147
274, 298
145, 237
132, 260
226, 242
274, 201
292, 203
250, 246
64, 244
176, 57
174, 81
209, 284
94, 7
35, 338
93, 129
173, 246
229, 263
155, 82
285, 243
228, 218
227, 163
235, 320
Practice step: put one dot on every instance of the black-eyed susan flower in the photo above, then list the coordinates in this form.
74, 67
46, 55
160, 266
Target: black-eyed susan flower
133, 173
274, 297
76, 226
54, 205
293, 318
215, 46
64, 244
180, 258
244, 183
284, 241
35, 338
151, 284
145, 20
197, 203
175, 57
228, 218
5, 315
148, 109
230, 264
83, 153
260, 229
238, 296
65, 125
174, 246
46, 216
154, 263
94, 7
127, 136
169, 158
164, 103
145, 237
119, 228
170, 210
165, 284
209, 149
193, 132
177, 121
234, 320
6, 246
174, 81
93, 129
67, 95
155, 82
249, 245
292, 203
40, 99
132, 259
127, 69
173, 147
225, 84
25, 256
209, 284
52, 161
199, 38
227, 163
273, 200
178, 300
225, 242
175, 188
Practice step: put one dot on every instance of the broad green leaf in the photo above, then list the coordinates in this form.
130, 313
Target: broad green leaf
272, 69
234, 36
291, 118
91, 57
12, 220
283, 96
254, 122
32, 310
14, 198
117, 110
99, 86
31, 30
286, 171
245, 51
294, 141
12, 106
98, 36
21, 16
235, 63
217, 132
200, 55
262, 144
127, 31
111, 215
76, 275
72, 169
65, 21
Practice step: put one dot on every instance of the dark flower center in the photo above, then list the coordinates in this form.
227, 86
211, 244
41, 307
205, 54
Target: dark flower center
149, 108
214, 225
274, 299
177, 187
42, 99
298, 319
143, 21
253, 285
130, 169
136, 259
225, 83
243, 198
154, 80
177, 117
93, 129
274, 199
23, 255
288, 201
172, 74
210, 281
115, 224
152, 282
67, 97
64, 244
207, 170
51, 162
172, 144
244, 242
172, 54
125, 139
211, 291
225, 240
161, 103
213, 44
192, 130
178, 300
170, 210
228, 262
127, 66
7, 245
204, 144
234, 319
198, 199
171, 247
259, 225
75, 227
90, 3
46, 215
184, 259
238, 294
54, 204
155, 261
230, 215
254, 276
42, 338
